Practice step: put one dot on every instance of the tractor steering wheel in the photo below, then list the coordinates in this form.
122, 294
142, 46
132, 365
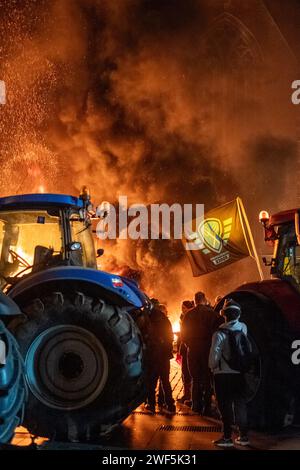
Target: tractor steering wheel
16, 257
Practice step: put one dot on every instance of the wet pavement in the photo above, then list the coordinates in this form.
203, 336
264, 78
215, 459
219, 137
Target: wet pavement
160, 431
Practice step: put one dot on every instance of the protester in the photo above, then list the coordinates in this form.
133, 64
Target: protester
160, 349
160, 395
217, 300
198, 326
229, 382
186, 306
163, 309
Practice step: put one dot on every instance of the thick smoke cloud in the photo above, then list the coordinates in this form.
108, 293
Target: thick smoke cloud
137, 98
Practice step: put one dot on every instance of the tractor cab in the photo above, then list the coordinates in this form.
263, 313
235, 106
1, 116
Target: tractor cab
40, 231
282, 231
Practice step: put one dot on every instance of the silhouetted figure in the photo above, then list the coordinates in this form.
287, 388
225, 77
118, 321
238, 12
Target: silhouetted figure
159, 354
186, 306
198, 326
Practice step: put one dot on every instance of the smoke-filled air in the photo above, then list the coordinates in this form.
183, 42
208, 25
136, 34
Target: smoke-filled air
162, 104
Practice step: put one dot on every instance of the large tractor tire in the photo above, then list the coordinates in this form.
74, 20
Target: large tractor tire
12, 387
272, 382
83, 361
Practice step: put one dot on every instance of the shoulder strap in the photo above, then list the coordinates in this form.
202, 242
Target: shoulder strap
224, 330
227, 332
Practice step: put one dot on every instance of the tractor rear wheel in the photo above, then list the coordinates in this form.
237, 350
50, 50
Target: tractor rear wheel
83, 362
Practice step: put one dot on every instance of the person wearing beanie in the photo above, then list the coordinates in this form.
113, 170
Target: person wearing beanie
229, 383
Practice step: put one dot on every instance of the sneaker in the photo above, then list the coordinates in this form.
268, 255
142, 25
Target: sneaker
150, 408
242, 441
223, 442
171, 409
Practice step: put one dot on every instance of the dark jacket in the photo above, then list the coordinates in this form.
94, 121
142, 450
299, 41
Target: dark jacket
161, 336
198, 326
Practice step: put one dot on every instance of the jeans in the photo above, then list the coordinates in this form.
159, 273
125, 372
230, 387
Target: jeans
230, 389
201, 379
186, 376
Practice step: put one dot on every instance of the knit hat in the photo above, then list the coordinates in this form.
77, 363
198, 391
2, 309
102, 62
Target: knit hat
231, 309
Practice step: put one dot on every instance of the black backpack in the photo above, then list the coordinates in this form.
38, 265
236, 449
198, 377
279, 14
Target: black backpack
241, 350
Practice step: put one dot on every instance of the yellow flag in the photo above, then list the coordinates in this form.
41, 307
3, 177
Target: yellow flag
218, 239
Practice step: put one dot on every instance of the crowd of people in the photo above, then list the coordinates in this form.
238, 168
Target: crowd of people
212, 348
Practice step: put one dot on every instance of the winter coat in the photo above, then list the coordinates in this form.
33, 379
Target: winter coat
161, 336
198, 326
220, 348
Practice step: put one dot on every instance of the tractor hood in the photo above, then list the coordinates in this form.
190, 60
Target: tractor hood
126, 290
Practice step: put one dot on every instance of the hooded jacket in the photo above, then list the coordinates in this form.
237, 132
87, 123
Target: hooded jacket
220, 348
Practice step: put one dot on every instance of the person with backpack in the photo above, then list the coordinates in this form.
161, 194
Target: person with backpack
230, 357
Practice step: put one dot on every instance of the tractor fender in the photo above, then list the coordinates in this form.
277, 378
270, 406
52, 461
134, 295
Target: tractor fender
242, 293
115, 286
281, 294
8, 307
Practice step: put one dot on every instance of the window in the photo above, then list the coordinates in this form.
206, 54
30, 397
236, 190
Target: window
27, 239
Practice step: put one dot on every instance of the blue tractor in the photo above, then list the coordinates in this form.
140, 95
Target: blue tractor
78, 332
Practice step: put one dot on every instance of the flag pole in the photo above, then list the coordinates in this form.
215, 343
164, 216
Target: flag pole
253, 253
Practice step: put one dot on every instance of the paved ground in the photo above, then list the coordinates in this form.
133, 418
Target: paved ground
182, 431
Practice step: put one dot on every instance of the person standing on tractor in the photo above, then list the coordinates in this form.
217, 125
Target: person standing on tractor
160, 351
229, 356
197, 329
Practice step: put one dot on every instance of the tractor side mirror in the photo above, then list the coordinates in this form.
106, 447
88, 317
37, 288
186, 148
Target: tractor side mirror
100, 252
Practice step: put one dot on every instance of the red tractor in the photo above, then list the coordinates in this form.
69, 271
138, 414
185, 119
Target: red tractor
271, 309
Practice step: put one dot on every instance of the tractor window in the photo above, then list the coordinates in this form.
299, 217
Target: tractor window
288, 260
28, 240
83, 235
